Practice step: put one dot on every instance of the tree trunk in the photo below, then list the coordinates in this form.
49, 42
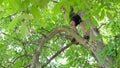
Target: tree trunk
97, 46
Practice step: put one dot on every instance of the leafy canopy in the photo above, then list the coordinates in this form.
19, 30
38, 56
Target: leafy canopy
23, 23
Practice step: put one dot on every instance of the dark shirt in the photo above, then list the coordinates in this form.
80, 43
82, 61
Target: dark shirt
76, 18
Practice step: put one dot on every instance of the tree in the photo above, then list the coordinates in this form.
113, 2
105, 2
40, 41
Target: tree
32, 34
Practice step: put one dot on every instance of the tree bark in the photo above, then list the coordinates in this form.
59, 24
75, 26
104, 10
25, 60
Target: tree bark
97, 46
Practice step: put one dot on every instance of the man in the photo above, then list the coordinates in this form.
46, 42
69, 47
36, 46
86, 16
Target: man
75, 20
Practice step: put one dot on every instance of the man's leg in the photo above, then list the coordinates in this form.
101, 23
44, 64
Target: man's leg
84, 30
72, 25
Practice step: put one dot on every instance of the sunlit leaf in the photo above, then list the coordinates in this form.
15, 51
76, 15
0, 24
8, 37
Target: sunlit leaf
12, 24
35, 12
24, 30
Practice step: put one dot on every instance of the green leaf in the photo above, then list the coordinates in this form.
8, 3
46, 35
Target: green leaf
24, 30
87, 26
102, 14
1, 44
27, 17
98, 37
1, 2
6, 13
94, 21
35, 12
1, 8
12, 24
15, 4
25, 4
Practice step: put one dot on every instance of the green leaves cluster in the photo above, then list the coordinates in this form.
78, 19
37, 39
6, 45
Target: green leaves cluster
23, 23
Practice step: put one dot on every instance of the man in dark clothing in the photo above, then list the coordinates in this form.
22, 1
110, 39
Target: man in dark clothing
75, 20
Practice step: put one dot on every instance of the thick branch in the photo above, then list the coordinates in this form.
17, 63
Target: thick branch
35, 60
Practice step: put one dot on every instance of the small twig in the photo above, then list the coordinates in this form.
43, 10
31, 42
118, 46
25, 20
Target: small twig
16, 38
56, 54
55, 1
49, 47
14, 59
27, 66
45, 29
101, 25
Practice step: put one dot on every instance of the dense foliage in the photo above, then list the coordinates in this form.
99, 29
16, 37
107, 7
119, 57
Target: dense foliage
23, 23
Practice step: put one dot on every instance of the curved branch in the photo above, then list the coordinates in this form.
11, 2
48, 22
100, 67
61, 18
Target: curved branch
56, 54
80, 40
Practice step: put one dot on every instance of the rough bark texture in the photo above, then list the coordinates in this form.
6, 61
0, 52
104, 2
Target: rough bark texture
97, 46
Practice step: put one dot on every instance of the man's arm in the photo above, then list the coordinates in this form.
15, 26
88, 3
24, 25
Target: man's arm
64, 11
